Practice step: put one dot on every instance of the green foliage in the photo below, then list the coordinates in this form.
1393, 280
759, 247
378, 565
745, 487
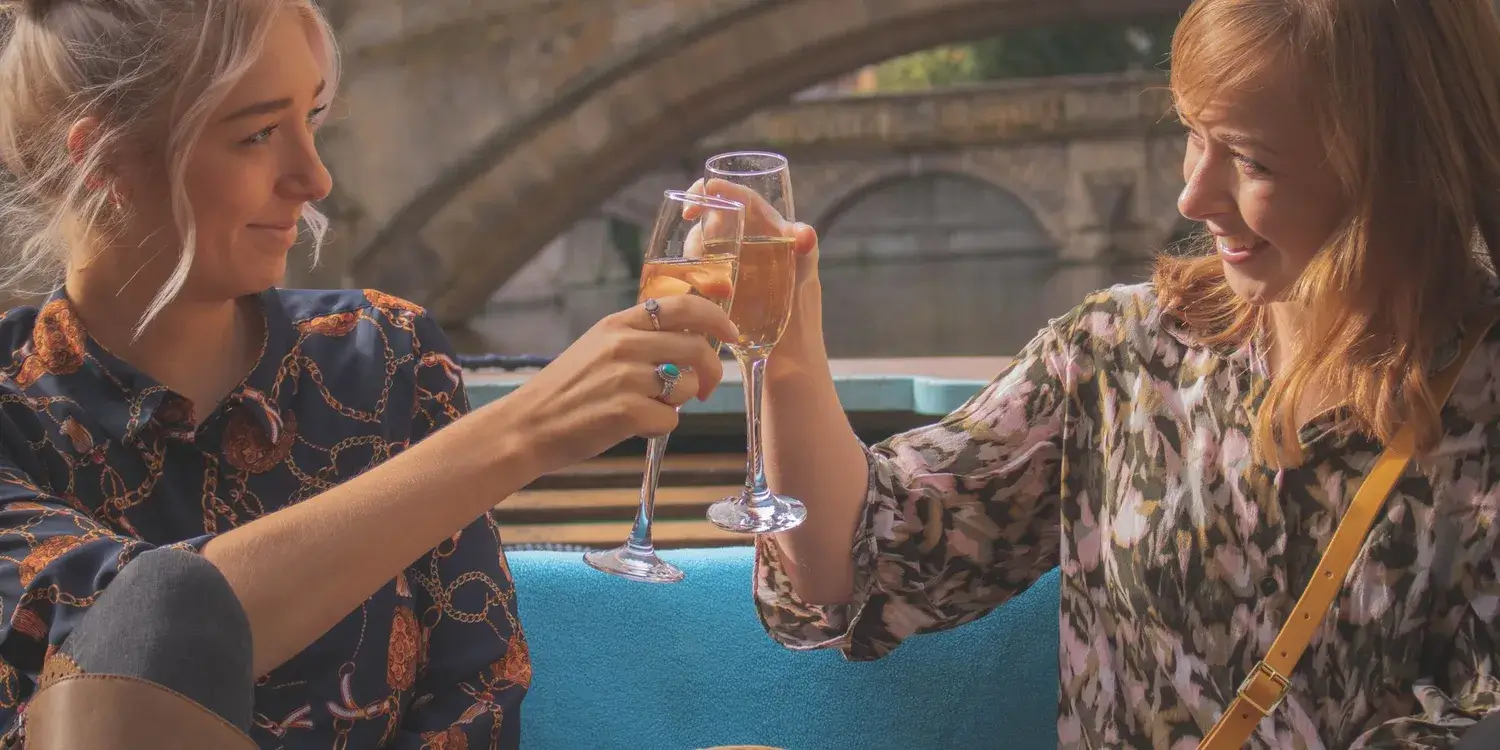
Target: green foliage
933, 68
1074, 49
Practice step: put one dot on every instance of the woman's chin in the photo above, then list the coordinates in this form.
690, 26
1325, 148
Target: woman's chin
1250, 289
261, 276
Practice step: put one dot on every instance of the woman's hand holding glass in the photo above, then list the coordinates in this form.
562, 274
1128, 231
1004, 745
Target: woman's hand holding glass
604, 388
761, 181
693, 254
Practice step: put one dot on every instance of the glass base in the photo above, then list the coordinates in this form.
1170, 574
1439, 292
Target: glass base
748, 514
634, 563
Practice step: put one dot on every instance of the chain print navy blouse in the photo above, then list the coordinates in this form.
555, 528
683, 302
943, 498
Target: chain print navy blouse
99, 463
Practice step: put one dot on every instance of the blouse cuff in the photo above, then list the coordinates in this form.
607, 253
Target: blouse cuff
798, 625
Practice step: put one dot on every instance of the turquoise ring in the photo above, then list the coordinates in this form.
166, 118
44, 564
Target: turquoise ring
669, 374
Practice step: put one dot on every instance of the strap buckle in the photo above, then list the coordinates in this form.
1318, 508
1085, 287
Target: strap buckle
1264, 696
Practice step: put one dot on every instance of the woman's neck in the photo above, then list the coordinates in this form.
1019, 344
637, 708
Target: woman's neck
1285, 321
200, 349
1288, 323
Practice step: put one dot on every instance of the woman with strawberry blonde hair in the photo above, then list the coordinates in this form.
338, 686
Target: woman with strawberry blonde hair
1218, 459
233, 515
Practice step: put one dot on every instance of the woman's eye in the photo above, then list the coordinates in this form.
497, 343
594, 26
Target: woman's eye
1251, 166
261, 136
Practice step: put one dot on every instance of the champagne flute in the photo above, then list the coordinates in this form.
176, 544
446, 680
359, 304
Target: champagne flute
694, 249
762, 181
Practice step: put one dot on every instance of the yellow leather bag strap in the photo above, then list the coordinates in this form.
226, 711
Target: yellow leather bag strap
1266, 685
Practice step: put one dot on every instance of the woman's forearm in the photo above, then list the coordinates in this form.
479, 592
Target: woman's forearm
812, 454
302, 569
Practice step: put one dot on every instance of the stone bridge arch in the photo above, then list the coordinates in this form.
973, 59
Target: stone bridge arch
944, 261
845, 186
479, 171
934, 213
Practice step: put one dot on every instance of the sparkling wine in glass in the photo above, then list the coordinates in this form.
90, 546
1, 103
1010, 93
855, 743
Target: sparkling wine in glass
762, 181
694, 249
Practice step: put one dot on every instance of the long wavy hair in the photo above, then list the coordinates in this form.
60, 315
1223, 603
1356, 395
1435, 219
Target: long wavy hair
1406, 94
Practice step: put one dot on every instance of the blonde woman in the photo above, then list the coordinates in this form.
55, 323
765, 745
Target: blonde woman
1184, 449
232, 514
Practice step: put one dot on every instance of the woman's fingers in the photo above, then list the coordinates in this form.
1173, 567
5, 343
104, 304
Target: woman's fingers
761, 218
689, 352
807, 239
682, 313
682, 390
656, 419
694, 245
696, 355
806, 252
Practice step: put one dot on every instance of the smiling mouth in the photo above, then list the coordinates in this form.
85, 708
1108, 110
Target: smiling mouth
1238, 248
281, 235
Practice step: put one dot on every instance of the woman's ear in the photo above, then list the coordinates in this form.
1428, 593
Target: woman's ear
81, 137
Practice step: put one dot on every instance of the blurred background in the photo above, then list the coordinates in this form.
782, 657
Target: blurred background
974, 167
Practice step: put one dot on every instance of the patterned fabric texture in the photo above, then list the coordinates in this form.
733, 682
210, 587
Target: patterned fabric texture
99, 463
1117, 446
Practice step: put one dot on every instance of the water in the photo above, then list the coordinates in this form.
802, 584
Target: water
962, 306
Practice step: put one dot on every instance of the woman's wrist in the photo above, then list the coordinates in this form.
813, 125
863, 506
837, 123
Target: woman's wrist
497, 450
801, 352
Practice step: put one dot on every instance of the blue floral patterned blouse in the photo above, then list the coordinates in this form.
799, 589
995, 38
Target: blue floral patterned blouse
99, 463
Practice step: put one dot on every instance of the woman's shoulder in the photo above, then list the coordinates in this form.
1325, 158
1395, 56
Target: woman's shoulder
17, 326
1123, 316
302, 305
1476, 392
367, 320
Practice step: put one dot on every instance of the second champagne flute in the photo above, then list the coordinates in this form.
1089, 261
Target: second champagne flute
762, 181
694, 249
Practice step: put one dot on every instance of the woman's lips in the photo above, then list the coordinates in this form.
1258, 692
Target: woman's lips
1238, 249
285, 232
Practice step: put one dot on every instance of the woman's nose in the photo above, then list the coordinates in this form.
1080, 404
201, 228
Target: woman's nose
1206, 192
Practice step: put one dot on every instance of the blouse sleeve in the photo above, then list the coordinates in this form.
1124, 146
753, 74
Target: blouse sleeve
958, 517
54, 563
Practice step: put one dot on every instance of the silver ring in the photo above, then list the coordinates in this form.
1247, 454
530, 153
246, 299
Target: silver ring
669, 374
652, 308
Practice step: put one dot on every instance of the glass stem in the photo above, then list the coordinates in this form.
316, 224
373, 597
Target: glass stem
753, 366
640, 533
